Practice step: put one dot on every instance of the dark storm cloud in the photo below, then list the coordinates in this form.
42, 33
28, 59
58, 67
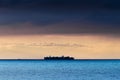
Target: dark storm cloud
108, 4
27, 17
65, 28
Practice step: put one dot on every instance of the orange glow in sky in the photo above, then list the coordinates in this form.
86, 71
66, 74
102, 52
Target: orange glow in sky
78, 46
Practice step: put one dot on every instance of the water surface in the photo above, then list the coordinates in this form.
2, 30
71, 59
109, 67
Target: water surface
60, 70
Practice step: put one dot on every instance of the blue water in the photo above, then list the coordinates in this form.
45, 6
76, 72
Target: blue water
59, 70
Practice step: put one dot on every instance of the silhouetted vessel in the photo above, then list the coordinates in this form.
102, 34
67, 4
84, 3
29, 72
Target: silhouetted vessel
59, 58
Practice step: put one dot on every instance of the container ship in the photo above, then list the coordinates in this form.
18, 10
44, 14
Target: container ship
59, 58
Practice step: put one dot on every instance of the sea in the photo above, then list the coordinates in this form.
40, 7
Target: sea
60, 70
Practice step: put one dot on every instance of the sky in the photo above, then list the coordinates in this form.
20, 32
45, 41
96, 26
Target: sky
84, 29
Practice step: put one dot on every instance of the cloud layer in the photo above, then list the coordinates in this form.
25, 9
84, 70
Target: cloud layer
39, 17
106, 4
64, 28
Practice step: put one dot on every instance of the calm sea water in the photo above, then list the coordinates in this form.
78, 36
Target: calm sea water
59, 70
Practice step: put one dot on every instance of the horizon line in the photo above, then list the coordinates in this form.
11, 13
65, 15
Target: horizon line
54, 60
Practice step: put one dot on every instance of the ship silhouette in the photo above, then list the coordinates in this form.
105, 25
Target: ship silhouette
59, 58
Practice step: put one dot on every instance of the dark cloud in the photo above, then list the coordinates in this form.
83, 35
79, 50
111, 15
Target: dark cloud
65, 28
29, 17
48, 17
53, 4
